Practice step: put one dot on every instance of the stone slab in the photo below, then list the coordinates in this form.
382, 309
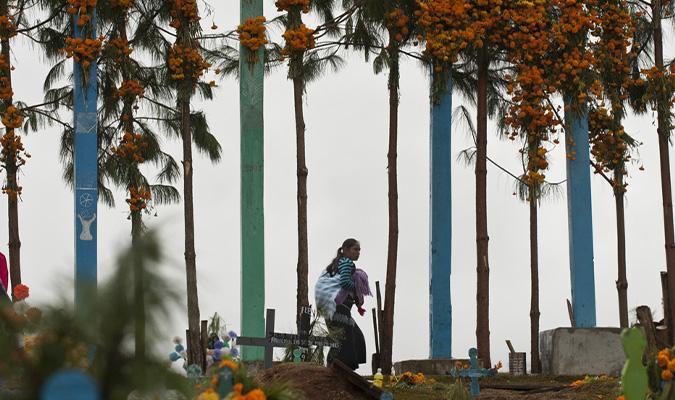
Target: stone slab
581, 351
429, 367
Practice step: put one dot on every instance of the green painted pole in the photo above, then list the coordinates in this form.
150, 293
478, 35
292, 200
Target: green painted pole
251, 92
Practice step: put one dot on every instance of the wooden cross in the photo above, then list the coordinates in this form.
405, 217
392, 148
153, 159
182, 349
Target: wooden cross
473, 372
273, 339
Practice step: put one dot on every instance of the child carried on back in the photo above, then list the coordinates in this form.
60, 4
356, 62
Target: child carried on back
340, 280
352, 281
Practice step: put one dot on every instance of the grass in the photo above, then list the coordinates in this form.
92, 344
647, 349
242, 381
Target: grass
445, 388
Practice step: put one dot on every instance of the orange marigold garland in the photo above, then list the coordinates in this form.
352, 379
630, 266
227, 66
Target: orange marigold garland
82, 9
7, 27
608, 145
117, 49
138, 198
446, 31
130, 90
6, 91
573, 57
186, 63
131, 148
83, 51
123, 4
397, 24
184, 12
612, 58
13, 155
252, 35
298, 40
530, 116
660, 88
287, 5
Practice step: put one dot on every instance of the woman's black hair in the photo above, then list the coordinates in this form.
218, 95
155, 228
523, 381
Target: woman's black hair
332, 268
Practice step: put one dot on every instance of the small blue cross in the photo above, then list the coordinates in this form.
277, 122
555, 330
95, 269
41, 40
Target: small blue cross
474, 372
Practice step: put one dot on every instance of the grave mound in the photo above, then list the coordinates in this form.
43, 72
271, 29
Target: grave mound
314, 381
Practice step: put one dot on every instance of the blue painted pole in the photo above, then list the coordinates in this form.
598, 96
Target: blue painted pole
86, 172
440, 206
579, 214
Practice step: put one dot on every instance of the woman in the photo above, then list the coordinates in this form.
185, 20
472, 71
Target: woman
4, 278
340, 323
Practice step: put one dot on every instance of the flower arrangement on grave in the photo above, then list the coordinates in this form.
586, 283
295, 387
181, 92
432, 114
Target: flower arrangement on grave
220, 346
220, 342
228, 380
410, 379
21, 315
589, 379
62, 338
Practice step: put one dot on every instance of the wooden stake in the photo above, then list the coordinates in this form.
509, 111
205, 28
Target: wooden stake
644, 316
379, 309
666, 306
377, 339
570, 312
205, 339
188, 348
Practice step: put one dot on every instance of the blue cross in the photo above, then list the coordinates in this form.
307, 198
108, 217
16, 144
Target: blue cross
473, 372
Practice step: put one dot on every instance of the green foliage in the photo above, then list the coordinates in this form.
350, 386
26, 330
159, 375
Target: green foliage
230, 377
96, 338
457, 391
317, 327
634, 374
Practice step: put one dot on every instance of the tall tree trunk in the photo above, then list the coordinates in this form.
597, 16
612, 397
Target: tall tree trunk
535, 362
11, 168
663, 132
621, 282
136, 216
139, 303
392, 243
13, 224
303, 268
195, 351
482, 265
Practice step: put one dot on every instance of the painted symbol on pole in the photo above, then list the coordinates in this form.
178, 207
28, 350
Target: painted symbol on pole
86, 200
86, 227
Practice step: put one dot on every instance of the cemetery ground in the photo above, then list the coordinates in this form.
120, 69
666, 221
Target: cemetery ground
317, 382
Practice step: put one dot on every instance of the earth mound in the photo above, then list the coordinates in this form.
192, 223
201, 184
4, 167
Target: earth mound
314, 381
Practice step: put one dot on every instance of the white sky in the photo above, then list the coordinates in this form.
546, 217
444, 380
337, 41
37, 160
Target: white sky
346, 116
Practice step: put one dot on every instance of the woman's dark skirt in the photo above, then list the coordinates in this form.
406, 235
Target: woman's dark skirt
352, 351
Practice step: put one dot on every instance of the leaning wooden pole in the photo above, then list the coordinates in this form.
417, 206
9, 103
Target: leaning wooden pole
251, 91
85, 165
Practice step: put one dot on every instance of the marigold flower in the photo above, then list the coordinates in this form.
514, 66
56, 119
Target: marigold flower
209, 394
233, 366
666, 375
256, 394
21, 292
